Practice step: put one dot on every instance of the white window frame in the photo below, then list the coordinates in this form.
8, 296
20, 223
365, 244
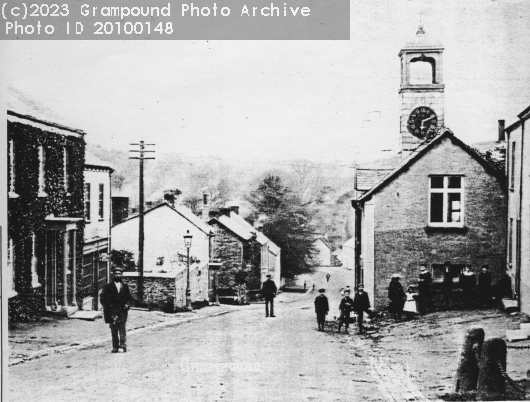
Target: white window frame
12, 170
445, 191
11, 292
34, 277
42, 172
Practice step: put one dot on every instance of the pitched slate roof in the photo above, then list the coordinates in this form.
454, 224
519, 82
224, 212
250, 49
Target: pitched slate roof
246, 231
182, 211
422, 149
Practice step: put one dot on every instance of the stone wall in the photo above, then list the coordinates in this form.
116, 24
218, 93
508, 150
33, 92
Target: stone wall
158, 290
227, 248
402, 238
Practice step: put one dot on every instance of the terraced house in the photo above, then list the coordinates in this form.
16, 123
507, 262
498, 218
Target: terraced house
45, 216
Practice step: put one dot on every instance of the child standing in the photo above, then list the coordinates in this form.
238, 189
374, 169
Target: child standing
345, 307
410, 308
321, 308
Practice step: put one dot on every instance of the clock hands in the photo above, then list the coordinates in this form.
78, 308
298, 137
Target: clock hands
427, 119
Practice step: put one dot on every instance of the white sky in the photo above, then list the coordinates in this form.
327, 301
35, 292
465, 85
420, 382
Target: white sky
318, 100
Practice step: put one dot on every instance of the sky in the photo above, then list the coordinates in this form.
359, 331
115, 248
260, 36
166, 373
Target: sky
279, 100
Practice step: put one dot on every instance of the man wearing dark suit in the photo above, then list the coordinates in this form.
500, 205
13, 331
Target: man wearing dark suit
321, 309
361, 304
268, 291
115, 299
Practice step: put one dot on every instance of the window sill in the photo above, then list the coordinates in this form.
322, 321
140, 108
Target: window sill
12, 194
11, 293
446, 229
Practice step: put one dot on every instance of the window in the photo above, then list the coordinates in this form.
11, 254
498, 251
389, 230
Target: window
12, 170
11, 267
510, 241
512, 170
87, 202
101, 201
42, 172
66, 161
446, 201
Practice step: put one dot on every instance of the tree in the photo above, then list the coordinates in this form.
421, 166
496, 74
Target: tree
123, 259
287, 221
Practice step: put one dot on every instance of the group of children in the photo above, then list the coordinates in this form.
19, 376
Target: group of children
360, 304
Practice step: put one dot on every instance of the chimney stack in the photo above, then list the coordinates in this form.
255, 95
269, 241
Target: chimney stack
171, 197
205, 211
235, 208
501, 131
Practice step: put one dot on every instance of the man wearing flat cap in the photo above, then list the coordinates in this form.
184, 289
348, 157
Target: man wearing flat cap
115, 299
321, 308
268, 291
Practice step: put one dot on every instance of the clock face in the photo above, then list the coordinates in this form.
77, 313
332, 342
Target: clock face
421, 120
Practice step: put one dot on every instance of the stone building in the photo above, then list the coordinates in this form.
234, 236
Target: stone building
45, 216
441, 201
518, 236
97, 207
242, 250
165, 254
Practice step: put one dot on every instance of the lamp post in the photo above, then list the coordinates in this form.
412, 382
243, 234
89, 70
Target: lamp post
187, 243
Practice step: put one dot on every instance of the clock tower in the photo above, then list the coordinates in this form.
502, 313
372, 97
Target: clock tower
421, 90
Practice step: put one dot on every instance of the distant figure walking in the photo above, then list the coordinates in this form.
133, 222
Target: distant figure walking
424, 289
345, 307
321, 309
115, 299
327, 277
305, 285
410, 308
361, 304
397, 297
447, 285
468, 283
484, 287
268, 291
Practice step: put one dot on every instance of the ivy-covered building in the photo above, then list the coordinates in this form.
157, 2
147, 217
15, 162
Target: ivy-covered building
45, 216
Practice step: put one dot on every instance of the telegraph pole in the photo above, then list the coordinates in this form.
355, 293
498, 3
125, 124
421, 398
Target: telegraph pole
141, 157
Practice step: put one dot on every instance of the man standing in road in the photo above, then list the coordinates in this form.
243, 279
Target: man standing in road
424, 289
484, 287
361, 304
321, 308
327, 277
115, 299
268, 291
345, 307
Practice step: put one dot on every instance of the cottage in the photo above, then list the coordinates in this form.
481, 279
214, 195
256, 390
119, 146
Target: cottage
243, 250
45, 214
443, 201
165, 255
97, 208
518, 236
323, 255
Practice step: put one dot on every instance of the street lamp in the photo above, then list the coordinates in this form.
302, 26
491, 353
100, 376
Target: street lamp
187, 243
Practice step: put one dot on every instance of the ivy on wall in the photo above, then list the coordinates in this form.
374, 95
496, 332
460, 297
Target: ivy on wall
27, 212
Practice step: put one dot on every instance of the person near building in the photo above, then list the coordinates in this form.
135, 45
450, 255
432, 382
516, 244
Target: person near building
115, 299
410, 308
327, 277
321, 308
345, 308
424, 289
397, 297
447, 285
484, 287
268, 291
468, 282
361, 305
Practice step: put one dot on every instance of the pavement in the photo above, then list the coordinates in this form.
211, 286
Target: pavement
244, 356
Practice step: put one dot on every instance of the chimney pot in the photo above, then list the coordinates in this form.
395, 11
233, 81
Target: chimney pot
501, 130
235, 208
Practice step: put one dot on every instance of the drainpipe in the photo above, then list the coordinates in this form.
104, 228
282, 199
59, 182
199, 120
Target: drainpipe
518, 230
358, 239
